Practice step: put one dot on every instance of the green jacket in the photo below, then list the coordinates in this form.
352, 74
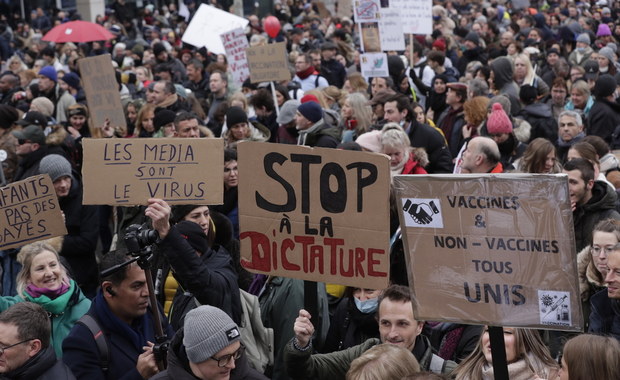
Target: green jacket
334, 366
63, 316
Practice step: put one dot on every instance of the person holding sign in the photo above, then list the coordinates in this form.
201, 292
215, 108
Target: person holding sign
397, 325
526, 354
43, 280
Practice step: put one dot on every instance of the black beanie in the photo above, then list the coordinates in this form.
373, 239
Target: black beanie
8, 116
605, 86
158, 48
180, 211
235, 115
163, 117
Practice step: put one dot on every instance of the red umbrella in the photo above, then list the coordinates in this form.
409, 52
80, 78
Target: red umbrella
78, 31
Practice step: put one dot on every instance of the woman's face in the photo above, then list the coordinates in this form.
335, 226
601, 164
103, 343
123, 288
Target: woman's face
46, 271
602, 61
147, 122
549, 162
564, 370
239, 131
141, 75
439, 86
419, 115
221, 59
578, 98
509, 343
366, 294
512, 49
201, 216
347, 87
279, 98
231, 174
346, 111
603, 243
340, 58
397, 154
131, 113
77, 121
520, 68
404, 84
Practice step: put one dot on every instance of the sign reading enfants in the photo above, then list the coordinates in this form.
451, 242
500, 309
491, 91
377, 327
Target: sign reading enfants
496, 250
130, 171
314, 214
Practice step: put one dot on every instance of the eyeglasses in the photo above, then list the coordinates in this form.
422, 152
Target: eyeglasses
596, 250
2, 349
223, 361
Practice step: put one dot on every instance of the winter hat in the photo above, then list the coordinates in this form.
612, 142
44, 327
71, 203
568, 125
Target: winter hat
33, 133
163, 117
608, 53
605, 86
528, 94
612, 46
440, 44
473, 37
195, 236
49, 72
235, 115
311, 111
603, 30
8, 116
592, 69
77, 109
207, 331
72, 79
158, 48
56, 166
370, 141
43, 105
287, 112
498, 122
584, 38
309, 98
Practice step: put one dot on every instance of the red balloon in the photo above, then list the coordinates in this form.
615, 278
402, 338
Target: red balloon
272, 26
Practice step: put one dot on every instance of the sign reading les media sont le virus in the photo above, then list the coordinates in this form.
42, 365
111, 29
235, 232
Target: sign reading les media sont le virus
496, 250
314, 214
29, 212
130, 171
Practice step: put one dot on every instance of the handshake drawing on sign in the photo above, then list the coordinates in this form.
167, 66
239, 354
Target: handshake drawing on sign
421, 213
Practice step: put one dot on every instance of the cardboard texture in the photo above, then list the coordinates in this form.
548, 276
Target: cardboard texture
104, 99
268, 63
496, 250
235, 42
207, 25
130, 171
314, 214
370, 37
29, 212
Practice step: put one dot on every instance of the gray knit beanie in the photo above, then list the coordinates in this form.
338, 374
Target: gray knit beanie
208, 330
55, 165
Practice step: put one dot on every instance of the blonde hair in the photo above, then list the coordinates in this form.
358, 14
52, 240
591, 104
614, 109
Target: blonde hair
25, 257
530, 75
361, 112
383, 361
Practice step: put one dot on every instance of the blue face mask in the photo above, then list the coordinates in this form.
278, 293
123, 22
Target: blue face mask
436, 18
368, 306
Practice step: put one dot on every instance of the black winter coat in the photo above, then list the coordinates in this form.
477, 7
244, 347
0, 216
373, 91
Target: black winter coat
427, 137
605, 315
43, 366
603, 119
211, 278
601, 206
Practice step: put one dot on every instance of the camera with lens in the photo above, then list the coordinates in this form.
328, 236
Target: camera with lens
139, 237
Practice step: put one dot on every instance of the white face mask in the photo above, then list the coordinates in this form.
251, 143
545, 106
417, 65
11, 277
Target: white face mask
581, 50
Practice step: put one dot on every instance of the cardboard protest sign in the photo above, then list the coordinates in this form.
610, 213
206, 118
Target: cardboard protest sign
101, 88
374, 65
268, 62
371, 40
30, 212
130, 171
235, 42
496, 250
207, 25
416, 15
314, 214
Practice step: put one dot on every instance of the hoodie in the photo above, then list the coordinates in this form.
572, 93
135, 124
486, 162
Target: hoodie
540, 117
601, 206
503, 71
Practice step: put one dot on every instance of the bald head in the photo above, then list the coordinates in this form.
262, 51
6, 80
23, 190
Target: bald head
481, 155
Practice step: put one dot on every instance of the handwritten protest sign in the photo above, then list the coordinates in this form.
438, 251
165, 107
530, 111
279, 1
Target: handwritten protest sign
391, 30
207, 25
268, 63
314, 214
130, 171
101, 88
235, 42
496, 250
416, 15
29, 212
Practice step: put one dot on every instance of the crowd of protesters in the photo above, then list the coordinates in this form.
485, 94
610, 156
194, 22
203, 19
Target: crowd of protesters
498, 86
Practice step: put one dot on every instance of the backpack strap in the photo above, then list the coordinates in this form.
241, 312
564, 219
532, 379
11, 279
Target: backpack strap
102, 345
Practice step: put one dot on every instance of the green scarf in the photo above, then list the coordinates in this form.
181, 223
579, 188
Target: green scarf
57, 305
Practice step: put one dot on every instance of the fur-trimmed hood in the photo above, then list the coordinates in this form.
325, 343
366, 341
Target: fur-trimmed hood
590, 279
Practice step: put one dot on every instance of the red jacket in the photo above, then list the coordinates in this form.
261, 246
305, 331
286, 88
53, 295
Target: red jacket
413, 167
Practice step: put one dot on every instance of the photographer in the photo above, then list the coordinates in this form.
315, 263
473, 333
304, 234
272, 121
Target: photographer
122, 312
205, 274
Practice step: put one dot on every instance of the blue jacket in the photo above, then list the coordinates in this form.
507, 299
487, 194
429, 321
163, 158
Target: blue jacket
124, 344
605, 315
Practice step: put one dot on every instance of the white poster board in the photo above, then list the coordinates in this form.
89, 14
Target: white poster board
207, 25
416, 15
235, 42
374, 65
391, 30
